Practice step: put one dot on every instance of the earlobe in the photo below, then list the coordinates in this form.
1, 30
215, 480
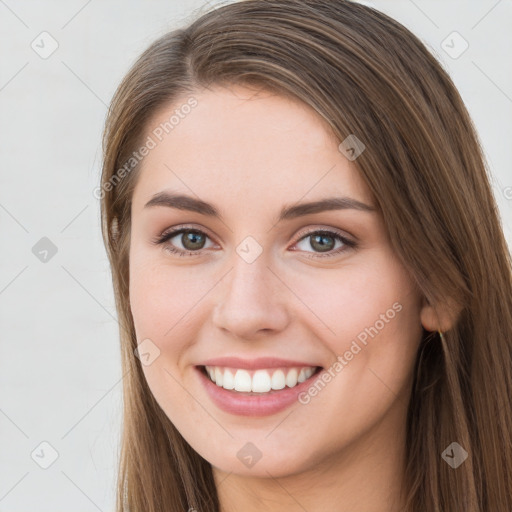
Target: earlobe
441, 318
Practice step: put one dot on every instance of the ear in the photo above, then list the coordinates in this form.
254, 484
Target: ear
441, 317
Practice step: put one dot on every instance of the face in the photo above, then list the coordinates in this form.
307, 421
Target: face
225, 283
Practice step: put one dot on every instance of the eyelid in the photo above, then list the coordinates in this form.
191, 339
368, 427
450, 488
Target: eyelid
168, 233
316, 229
302, 233
174, 230
347, 241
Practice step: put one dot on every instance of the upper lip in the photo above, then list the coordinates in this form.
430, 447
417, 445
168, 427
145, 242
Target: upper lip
253, 364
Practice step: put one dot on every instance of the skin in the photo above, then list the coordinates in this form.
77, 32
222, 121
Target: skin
250, 153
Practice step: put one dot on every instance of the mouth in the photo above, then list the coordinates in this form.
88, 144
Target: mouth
264, 381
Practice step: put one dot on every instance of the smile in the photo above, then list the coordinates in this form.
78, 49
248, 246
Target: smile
258, 381
279, 387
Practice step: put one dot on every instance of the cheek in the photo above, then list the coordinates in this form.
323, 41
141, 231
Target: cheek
367, 312
159, 310
148, 290
381, 331
345, 302
160, 296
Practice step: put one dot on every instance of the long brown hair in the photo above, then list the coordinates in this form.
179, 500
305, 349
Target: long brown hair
367, 75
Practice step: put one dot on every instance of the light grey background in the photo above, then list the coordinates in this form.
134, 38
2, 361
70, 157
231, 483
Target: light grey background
60, 374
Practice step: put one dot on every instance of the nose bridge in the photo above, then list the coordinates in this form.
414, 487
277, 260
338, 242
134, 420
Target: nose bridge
250, 299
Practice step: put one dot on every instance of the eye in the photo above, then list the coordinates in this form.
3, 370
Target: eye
324, 241
192, 241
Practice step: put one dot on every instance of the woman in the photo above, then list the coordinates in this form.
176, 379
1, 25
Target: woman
310, 273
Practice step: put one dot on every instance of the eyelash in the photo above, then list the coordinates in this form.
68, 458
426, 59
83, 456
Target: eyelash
162, 239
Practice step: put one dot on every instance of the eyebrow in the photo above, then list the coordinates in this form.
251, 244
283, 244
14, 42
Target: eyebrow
184, 202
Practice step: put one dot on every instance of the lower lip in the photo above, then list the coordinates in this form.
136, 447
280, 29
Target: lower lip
242, 404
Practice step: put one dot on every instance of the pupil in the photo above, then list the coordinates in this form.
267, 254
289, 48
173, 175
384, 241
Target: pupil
193, 239
323, 246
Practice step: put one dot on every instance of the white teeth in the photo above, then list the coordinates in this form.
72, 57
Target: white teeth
258, 381
304, 374
242, 380
229, 380
261, 382
291, 378
219, 375
278, 380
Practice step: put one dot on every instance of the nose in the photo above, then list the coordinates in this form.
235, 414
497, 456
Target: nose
251, 300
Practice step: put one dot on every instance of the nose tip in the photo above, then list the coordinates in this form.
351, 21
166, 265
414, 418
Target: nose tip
251, 301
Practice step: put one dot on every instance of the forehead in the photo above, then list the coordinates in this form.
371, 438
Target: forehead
245, 146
